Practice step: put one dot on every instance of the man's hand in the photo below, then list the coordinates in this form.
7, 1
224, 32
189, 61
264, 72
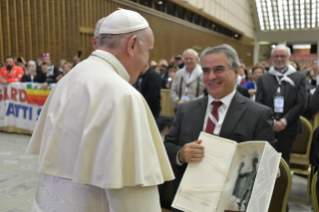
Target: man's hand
191, 152
180, 102
4, 82
44, 85
252, 92
279, 126
44, 69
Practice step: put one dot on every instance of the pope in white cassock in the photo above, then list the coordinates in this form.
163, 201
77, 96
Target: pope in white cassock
98, 145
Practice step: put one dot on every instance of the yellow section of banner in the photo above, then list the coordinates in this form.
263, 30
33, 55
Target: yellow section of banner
38, 92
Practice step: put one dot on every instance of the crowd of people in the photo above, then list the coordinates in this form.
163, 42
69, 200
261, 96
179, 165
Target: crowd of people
41, 70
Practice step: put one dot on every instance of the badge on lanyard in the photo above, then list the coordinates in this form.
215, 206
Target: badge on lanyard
279, 104
185, 98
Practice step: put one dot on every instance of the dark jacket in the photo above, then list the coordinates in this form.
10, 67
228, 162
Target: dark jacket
151, 90
295, 98
49, 79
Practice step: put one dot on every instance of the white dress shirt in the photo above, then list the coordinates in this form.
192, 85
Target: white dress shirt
222, 110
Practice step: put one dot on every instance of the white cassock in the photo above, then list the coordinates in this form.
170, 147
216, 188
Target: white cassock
98, 144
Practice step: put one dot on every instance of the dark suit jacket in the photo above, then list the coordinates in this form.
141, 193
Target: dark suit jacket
314, 102
295, 98
151, 90
245, 121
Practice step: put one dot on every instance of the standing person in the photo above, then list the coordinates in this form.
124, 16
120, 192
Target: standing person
149, 85
50, 72
252, 85
284, 90
188, 82
96, 136
11, 72
30, 72
236, 117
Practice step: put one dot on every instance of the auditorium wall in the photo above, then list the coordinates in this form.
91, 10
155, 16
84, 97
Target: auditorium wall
29, 28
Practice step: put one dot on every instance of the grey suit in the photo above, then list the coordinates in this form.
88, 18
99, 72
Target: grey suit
295, 103
245, 121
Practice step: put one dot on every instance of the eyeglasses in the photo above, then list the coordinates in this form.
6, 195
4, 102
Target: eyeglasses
279, 56
45, 55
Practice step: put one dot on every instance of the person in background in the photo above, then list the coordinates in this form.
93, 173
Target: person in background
11, 72
97, 32
49, 71
241, 79
171, 76
149, 85
67, 67
295, 64
158, 70
61, 63
252, 85
283, 89
30, 72
153, 63
21, 63
314, 80
188, 83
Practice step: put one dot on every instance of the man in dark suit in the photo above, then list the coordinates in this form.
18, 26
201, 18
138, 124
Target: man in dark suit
236, 117
284, 90
149, 85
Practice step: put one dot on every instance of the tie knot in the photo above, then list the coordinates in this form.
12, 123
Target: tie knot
216, 104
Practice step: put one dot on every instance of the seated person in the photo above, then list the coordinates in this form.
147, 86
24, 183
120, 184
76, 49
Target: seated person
10, 73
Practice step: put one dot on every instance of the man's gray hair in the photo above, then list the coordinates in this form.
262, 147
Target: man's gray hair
98, 27
112, 41
31, 62
282, 46
191, 50
229, 51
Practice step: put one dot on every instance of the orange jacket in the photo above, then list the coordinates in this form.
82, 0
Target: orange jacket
11, 76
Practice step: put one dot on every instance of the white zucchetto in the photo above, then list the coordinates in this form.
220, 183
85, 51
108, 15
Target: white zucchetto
123, 21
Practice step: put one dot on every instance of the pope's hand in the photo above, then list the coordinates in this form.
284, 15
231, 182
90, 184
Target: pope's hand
191, 152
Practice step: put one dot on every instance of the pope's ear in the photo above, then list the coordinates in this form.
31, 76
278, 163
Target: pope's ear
132, 44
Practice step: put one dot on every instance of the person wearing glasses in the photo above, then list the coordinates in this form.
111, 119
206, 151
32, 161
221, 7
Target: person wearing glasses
283, 89
224, 113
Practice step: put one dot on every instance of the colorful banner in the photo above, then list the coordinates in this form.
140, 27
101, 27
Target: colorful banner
21, 105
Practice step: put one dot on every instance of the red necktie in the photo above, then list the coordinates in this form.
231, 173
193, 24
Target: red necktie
210, 124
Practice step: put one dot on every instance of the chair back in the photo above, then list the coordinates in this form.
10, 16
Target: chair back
315, 193
303, 141
281, 190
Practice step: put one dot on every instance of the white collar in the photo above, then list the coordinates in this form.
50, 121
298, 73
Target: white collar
226, 100
116, 61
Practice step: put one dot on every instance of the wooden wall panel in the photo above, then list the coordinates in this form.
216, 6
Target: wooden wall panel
29, 28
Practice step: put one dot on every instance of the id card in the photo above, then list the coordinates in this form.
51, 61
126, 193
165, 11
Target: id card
279, 104
185, 98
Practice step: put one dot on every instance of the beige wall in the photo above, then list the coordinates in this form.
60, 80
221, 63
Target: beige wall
235, 13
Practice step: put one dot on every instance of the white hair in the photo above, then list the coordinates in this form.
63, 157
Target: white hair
190, 50
98, 27
115, 41
32, 62
282, 46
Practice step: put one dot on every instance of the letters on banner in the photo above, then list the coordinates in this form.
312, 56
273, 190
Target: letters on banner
21, 104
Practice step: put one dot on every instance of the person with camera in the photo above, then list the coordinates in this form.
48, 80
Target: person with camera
49, 71
10, 73
30, 74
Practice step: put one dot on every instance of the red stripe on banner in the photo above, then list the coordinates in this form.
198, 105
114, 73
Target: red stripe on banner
36, 99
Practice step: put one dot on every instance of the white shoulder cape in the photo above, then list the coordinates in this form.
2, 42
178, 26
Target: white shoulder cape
95, 128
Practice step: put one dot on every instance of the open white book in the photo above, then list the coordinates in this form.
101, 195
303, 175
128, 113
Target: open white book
208, 186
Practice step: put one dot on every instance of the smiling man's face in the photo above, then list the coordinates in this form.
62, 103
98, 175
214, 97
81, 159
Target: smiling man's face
219, 79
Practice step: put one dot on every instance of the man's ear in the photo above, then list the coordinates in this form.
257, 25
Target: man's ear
237, 72
132, 45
